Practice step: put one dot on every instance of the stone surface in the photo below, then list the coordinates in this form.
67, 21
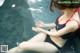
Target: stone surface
15, 23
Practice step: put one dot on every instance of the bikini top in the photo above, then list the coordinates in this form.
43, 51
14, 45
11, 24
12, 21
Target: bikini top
70, 35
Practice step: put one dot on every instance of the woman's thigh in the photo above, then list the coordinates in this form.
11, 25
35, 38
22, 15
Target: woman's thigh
38, 47
40, 37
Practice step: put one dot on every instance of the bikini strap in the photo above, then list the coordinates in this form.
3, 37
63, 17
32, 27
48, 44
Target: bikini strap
76, 10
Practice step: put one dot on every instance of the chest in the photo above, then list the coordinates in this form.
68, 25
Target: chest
59, 26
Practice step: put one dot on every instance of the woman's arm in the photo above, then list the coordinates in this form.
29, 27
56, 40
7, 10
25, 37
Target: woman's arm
50, 25
41, 24
71, 26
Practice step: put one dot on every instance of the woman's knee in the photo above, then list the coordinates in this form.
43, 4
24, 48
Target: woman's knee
23, 45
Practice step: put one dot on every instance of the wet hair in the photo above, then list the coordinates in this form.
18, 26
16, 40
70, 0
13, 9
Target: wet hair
63, 6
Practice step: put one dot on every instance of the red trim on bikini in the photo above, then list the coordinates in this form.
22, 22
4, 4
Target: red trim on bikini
76, 10
59, 18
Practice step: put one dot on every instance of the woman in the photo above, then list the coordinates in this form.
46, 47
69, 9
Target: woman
52, 41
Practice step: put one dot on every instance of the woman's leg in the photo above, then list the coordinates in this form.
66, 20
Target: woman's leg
43, 47
38, 38
38, 46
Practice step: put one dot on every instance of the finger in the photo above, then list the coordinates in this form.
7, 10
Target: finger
39, 22
33, 28
36, 24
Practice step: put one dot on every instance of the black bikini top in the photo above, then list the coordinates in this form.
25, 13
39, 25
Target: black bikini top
70, 35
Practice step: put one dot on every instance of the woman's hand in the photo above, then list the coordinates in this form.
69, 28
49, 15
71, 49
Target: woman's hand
37, 29
39, 24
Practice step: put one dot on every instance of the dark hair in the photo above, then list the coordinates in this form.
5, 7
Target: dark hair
63, 6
